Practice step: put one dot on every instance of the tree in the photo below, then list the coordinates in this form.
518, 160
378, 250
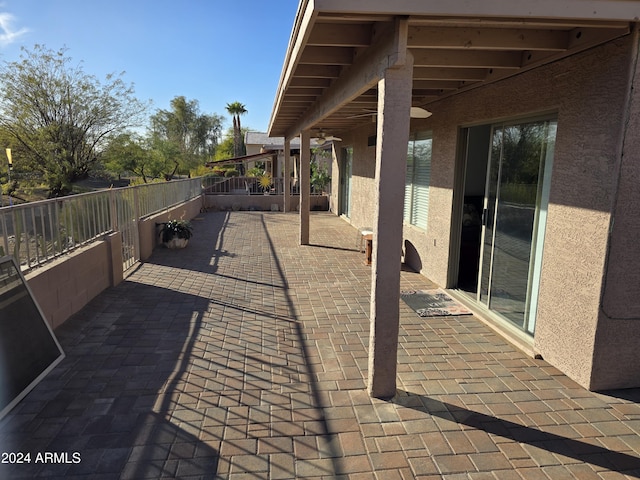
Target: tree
320, 177
128, 153
236, 109
184, 137
226, 149
61, 116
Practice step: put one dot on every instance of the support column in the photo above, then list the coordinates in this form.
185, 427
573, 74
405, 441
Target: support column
287, 175
394, 104
305, 185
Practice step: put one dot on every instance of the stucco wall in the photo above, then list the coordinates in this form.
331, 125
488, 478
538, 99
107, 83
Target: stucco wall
362, 176
616, 356
263, 202
67, 284
588, 100
148, 228
581, 195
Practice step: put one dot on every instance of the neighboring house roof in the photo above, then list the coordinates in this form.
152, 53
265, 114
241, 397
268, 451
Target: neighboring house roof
338, 49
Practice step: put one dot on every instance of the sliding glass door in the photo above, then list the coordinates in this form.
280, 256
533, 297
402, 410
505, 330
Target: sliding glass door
345, 182
513, 219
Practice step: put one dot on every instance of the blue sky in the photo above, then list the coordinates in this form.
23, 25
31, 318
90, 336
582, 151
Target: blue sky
214, 51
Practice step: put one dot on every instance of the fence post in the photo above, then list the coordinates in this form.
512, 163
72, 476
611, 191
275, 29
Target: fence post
113, 210
5, 235
136, 220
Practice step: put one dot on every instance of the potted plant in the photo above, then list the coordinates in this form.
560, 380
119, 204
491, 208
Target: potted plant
176, 233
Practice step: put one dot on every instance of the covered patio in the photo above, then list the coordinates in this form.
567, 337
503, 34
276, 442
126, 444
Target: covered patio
245, 356
423, 99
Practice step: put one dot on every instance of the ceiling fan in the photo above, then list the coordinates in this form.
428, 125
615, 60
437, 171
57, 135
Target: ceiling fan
323, 138
416, 112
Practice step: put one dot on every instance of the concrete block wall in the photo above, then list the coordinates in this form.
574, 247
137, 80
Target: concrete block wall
66, 285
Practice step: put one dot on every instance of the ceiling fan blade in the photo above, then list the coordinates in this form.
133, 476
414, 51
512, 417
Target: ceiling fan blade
360, 115
418, 112
323, 138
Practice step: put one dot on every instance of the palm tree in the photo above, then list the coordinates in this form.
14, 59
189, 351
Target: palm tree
236, 109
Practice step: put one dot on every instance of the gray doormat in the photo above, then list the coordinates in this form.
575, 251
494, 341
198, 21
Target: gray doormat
432, 303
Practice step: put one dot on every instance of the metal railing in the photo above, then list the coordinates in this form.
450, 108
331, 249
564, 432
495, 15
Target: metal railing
248, 186
241, 186
37, 232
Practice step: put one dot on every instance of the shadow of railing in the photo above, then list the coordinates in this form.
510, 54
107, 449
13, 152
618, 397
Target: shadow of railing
192, 366
111, 400
249, 370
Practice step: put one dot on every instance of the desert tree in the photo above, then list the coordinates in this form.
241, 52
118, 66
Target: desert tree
61, 116
184, 137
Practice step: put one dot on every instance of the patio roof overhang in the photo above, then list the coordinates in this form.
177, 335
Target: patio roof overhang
339, 47
244, 159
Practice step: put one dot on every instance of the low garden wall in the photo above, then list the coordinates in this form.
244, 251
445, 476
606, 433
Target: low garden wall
149, 229
69, 282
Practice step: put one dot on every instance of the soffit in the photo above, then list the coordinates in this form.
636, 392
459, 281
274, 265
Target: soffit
452, 53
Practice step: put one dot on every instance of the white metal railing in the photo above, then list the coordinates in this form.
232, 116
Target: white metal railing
40, 231
249, 186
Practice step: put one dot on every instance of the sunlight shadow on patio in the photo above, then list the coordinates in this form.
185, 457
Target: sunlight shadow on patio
536, 441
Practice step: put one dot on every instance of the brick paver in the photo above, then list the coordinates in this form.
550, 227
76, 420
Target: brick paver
245, 356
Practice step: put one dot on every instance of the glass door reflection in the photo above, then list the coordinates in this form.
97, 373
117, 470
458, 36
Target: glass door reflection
511, 211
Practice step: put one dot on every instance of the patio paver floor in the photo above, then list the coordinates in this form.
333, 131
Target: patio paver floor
245, 356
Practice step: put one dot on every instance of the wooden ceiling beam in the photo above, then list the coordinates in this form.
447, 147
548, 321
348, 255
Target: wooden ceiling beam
460, 74
389, 49
501, 22
487, 38
327, 56
466, 59
304, 91
317, 71
297, 100
338, 35
436, 85
309, 82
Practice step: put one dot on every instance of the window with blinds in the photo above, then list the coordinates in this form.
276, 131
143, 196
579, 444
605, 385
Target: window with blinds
418, 177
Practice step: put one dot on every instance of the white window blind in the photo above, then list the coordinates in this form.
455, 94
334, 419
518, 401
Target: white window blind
418, 177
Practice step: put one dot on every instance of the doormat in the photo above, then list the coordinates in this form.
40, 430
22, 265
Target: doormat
432, 303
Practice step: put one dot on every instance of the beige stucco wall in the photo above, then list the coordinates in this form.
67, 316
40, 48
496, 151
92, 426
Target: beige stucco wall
68, 283
588, 100
616, 356
362, 176
581, 195
263, 202
148, 227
